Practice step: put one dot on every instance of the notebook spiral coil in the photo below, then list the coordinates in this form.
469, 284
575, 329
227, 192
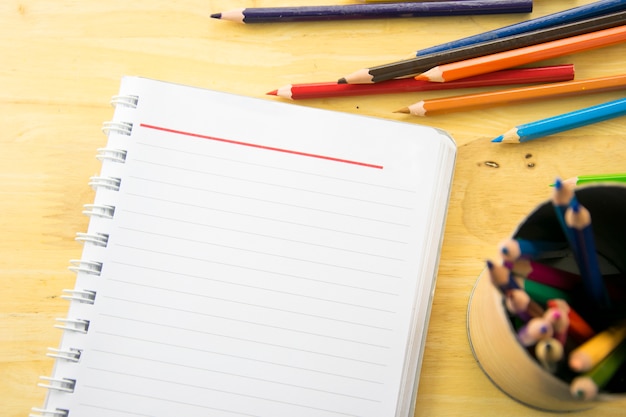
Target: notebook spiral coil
87, 269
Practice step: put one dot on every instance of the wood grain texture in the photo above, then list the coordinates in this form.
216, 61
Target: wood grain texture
61, 62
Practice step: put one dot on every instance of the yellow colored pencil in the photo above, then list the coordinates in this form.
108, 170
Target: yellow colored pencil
590, 353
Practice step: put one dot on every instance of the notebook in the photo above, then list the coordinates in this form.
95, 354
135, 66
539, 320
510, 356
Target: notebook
247, 257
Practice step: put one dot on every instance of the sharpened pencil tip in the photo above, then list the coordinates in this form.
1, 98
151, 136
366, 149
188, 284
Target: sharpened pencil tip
272, 93
498, 139
404, 110
422, 77
342, 81
216, 15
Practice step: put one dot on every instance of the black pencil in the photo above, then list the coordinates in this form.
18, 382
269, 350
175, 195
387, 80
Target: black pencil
423, 63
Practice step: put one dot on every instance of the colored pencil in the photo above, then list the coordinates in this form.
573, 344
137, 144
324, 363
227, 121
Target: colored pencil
595, 178
374, 11
546, 74
515, 95
559, 319
561, 197
578, 219
578, 328
421, 63
549, 352
586, 386
518, 302
575, 14
535, 330
513, 249
564, 122
544, 274
589, 354
501, 277
526, 55
541, 293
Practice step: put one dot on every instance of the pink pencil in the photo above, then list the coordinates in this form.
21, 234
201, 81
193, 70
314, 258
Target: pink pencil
544, 274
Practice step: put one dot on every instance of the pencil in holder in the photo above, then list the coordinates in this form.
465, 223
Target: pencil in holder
532, 356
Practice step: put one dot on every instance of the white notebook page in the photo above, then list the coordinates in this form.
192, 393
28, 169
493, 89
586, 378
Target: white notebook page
262, 260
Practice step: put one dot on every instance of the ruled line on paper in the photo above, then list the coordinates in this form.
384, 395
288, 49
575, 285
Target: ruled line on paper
347, 268
263, 217
197, 367
242, 339
221, 409
252, 181
246, 232
151, 397
334, 319
291, 276
258, 146
230, 355
254, 323
282, 204
273, 167
264, 289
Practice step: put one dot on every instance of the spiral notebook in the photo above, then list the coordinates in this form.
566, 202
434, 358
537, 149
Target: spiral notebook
246, 257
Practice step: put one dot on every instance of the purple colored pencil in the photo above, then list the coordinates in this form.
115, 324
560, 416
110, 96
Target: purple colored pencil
374, 11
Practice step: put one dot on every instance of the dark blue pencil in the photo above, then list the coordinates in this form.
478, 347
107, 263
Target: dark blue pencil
570, 15
578, 220
374, 11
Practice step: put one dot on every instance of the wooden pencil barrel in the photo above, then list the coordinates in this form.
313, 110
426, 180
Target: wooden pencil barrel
491, 334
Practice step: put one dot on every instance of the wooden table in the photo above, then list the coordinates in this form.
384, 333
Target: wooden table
61, 61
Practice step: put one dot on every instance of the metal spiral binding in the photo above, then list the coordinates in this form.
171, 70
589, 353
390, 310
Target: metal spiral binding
98, 239
72, 355
99, 210
122, 128
88, 267
73, 325
59, 384
110, 183
82, 296
126, 101
41, 412
108, 154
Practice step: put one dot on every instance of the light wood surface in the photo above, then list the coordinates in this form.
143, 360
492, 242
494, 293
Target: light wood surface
62, 60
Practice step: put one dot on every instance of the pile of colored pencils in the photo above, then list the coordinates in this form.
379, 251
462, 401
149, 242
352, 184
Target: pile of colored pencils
573, 321
486, 59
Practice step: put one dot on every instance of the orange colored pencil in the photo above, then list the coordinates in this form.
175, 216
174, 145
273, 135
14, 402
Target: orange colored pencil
512, 95
521, 56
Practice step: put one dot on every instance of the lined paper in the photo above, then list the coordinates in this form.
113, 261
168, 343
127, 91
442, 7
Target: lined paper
259, 271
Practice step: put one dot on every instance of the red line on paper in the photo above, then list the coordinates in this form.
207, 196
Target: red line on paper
254, 145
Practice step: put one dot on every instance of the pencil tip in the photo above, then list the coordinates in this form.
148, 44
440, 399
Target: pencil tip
498, 139
422, 77
342, 81
404, 110
272, 93
216, 15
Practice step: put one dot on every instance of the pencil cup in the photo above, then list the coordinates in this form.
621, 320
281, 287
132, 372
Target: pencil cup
494, 332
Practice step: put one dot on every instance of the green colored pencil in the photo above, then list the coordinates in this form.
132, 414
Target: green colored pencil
587, 385
589, 179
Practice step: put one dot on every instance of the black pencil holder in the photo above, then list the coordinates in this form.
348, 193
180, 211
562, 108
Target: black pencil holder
492, 336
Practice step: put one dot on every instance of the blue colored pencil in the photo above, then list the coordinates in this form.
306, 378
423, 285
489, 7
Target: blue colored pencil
513, 249
578, 220
570, 15
374, 11
561, 197
563, 122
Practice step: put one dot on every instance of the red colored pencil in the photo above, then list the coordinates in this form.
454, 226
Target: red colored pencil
546, 74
